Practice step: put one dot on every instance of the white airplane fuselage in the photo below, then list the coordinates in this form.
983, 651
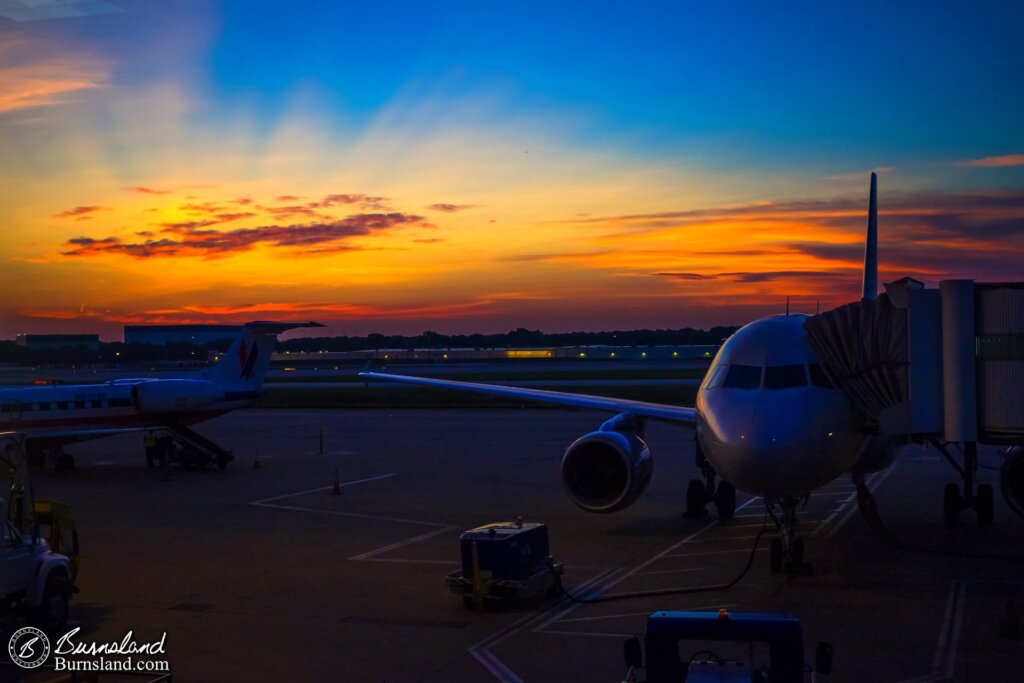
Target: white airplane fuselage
769, 420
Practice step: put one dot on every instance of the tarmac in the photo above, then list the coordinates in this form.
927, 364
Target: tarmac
262, 574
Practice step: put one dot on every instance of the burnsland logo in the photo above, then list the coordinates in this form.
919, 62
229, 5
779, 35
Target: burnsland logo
28, 647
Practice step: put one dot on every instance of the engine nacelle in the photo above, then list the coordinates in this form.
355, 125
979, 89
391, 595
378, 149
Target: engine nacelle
1011, 479
607, 470
173, 395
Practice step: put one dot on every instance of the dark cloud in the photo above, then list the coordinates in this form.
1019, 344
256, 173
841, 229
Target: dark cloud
686, 276
191, 241
287, 198
79, 212
451, 208
756, 276
431, 240
147, 190
364, 201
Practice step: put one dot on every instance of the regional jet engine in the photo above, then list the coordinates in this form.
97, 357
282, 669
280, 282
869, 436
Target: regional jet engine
607, 470
1011, 479
173, 395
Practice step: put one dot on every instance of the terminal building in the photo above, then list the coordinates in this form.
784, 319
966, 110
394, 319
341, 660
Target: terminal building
161, 335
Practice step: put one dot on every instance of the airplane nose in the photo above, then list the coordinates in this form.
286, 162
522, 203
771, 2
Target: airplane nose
781, 447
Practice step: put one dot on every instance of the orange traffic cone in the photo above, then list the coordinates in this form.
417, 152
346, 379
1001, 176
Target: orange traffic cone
336, 486
256, 463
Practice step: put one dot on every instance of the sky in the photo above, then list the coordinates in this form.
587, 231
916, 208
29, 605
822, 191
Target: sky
468, 167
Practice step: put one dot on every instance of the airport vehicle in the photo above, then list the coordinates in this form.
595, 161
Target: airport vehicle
503, 564
671, 635
769, 419
35, 581
52, 416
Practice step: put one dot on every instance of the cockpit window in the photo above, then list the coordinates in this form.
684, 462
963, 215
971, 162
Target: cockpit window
714, 378
785, 377
820, 378
743, 377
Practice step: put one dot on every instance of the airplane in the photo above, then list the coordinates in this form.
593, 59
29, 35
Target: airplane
53, 416
770, 420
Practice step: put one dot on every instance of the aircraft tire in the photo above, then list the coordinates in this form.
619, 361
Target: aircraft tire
725, 500
951, 504
696, 499
983, 503
796, 553
775, 555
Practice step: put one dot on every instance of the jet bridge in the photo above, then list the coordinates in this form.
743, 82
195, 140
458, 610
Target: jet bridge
942, 365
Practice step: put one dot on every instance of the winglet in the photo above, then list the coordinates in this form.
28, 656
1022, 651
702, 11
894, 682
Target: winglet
871, 244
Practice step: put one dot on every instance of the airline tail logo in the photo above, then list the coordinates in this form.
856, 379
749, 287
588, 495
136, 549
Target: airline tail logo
247, 359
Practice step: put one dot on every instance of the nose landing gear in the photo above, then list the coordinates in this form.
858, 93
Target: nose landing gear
787, 550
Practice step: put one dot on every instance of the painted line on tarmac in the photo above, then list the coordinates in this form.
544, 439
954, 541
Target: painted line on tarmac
482, 650
613, 581
944, 662
874, 482
401, 544
264, 501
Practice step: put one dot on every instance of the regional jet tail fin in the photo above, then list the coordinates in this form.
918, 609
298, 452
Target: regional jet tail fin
244, 365
871, 244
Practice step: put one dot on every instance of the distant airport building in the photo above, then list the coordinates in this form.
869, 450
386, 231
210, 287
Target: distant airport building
161, 335
654, 353
36, 342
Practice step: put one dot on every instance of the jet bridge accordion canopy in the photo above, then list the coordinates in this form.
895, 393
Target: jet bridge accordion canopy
945, 362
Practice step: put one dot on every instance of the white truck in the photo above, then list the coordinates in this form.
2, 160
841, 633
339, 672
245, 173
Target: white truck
35, 581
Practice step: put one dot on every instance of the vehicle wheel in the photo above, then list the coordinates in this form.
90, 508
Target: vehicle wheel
149, 459
725, 500
951, 504
52, 614
222, 463
696, 498
467, 602
775, 555
983, 505
796, 553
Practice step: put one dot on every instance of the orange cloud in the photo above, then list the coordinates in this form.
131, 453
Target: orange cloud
995, 162
79, 212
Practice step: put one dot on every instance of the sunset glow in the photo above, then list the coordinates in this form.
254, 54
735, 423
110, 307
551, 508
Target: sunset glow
467, 171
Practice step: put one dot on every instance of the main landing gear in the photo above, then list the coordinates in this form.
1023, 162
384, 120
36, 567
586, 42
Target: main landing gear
700, 492
979, 498
787, 550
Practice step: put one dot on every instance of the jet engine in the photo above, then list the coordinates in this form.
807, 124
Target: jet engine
607, 470
173, 395
1011, 479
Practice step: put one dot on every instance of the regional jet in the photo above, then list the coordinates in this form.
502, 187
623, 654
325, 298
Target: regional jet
52, 416
770, 420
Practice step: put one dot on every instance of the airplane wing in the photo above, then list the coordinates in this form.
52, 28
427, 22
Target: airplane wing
656, 411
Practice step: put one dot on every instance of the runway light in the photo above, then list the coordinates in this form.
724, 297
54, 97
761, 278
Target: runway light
583, 355
675, 354
830, 433
613, 354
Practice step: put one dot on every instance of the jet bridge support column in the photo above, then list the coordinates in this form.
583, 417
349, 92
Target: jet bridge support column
959, 390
